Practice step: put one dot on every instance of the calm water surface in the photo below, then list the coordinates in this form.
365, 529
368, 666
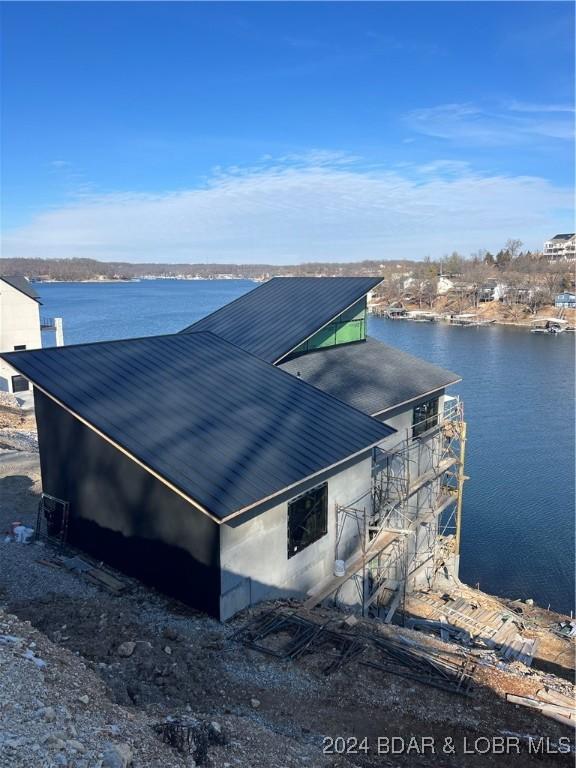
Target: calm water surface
518, 516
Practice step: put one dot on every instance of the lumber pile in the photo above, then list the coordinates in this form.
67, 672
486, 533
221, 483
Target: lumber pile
552, 704
94, 572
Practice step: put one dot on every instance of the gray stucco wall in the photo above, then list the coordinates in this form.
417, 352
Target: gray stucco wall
254, 552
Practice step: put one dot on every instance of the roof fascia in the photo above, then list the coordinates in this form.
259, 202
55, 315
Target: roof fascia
413, 399
32, 298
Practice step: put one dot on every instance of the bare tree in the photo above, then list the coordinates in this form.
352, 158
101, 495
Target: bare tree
513, 247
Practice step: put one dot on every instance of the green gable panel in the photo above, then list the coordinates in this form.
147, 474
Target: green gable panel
326, 337
346, 328
351, 331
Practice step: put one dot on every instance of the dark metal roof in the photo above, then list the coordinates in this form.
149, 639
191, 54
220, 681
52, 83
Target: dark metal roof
222, 426
274, 318
565, 236
21, 284
370, 376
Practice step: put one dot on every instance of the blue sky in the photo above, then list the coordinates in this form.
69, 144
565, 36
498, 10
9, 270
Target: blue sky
285, 132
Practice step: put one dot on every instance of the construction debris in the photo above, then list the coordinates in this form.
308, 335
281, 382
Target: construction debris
566, 629
290, 636
550, 703
413, 662
466, 620
443, 628
93, 572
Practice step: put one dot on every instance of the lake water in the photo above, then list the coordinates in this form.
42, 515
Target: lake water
518, 388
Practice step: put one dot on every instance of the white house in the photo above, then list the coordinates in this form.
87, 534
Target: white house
561, 247
445, 285
20, 326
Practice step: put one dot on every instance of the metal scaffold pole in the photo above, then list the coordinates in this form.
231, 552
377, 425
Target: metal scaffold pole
461, 478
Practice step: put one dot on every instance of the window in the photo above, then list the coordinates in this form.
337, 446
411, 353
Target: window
307, 519
19, 384
424, 417
348, 327
19, 347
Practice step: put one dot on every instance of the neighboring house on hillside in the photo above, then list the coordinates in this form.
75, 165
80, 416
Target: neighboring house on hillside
257, 453
565, 300
561, 247
21, 326
492, 290
445, 285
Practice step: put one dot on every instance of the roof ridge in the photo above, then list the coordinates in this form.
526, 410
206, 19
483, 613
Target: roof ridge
273, 279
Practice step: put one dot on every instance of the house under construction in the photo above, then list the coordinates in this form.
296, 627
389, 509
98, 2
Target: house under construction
272, 449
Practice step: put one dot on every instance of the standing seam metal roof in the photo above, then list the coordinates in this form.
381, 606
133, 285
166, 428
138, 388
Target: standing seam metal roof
276, 317
224, 427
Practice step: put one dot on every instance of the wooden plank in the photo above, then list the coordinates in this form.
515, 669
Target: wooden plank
560, 714
443, 632
502, 631
553, 697
354, 565
106, 579
431, 475
376, 546
394, 605
559, 717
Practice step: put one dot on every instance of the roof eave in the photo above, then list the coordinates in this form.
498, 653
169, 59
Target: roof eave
416, 397
306, 479
33, 298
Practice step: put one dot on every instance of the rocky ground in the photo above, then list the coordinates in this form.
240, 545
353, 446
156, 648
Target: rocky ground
86, 677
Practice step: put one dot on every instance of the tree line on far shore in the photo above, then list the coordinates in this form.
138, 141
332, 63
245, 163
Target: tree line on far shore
528, 275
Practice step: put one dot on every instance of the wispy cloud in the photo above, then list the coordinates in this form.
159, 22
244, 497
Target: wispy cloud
514, 123
73, 179
522, 106
317, 206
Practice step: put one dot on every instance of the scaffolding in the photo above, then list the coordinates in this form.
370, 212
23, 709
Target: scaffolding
407, 526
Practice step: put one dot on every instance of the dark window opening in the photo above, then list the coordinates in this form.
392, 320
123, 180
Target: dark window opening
19, 384
19, 347
307, 519
424, 417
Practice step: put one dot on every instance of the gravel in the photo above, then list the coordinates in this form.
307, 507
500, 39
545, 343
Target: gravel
8, 400
43, 722
18, 440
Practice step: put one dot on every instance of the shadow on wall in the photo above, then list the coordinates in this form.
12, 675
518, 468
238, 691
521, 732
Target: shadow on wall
174, 571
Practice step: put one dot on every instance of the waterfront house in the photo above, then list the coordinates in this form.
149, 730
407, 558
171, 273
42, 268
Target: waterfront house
256, 453
21, 326
444, 285
565, 300
492, 290
561, 247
